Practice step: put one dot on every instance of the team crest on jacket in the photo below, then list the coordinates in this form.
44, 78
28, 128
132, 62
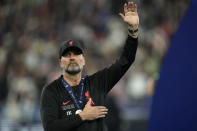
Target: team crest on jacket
87, 95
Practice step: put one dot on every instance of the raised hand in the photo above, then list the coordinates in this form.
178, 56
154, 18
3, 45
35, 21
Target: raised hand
93, 112
130, 16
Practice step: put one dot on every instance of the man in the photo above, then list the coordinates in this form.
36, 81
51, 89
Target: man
74, 102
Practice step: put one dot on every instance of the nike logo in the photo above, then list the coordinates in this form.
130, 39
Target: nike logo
64, 103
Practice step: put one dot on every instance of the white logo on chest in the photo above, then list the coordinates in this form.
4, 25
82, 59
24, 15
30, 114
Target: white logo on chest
68, 113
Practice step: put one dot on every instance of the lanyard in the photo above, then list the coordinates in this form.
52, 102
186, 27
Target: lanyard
78, 102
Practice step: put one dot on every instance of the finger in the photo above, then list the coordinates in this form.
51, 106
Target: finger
103, 113
125, 8
101, 107
89, 101
132, 7
135, 7
121, 15
104, 110
129, 6
101, 116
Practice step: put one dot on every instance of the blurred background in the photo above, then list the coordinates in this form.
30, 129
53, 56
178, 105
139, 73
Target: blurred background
32, 30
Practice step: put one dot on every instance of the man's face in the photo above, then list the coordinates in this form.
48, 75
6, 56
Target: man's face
72, 61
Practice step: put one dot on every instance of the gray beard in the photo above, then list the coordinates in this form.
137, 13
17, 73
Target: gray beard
73, 69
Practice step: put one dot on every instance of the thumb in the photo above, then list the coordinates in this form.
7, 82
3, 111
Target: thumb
121, 15
89, 101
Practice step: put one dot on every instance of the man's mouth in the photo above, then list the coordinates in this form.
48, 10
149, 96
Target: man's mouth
73, 63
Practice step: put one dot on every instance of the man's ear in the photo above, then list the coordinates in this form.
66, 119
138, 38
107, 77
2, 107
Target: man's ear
84, 60
60, 63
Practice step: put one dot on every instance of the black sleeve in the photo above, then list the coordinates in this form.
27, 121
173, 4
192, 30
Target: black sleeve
49, 114
111, 75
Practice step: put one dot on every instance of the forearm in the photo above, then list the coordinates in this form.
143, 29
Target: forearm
111, 75
63, 124
129, 51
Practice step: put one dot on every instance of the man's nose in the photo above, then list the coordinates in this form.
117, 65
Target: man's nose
72, 56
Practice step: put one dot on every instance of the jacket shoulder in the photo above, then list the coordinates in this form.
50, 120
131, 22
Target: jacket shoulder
52, 85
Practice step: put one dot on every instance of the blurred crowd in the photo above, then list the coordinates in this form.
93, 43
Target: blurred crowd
32, 30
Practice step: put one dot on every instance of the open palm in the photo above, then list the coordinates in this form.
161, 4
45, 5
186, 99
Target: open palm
130, 15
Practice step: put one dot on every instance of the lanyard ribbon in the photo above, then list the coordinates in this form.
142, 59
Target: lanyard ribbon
78, 102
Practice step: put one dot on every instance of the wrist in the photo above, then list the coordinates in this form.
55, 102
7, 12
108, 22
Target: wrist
81, 114
132, 26
133, 33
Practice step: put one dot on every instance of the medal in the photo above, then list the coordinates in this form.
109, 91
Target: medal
78, 111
